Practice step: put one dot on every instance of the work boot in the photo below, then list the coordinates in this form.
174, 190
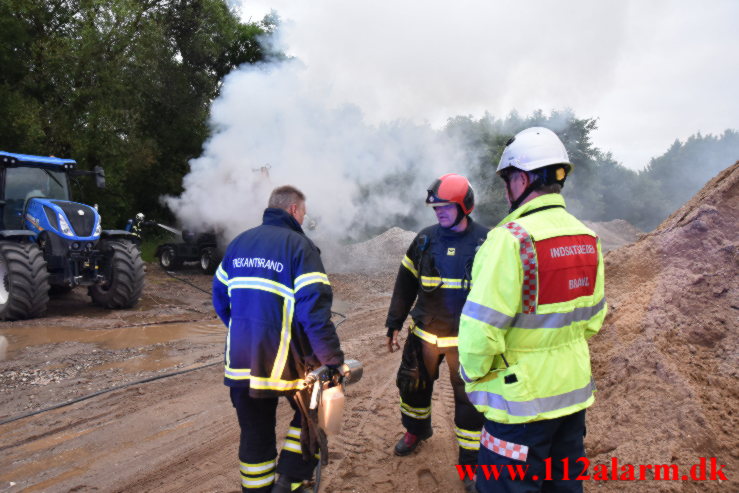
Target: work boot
469, 485
409, 442
285, 485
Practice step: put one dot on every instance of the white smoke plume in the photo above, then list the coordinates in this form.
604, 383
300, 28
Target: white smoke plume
273, 127
355, 108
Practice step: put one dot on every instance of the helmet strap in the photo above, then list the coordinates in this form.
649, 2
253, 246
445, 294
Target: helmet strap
515, 204
460, 216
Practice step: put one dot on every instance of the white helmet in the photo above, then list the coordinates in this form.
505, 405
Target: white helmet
534, 148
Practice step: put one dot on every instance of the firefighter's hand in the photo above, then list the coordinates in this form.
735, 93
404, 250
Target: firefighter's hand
392, 342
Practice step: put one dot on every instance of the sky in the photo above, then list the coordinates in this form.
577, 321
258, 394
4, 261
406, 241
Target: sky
650, 71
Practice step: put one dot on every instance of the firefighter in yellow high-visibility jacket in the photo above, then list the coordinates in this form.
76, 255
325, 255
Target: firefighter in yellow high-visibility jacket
537, 297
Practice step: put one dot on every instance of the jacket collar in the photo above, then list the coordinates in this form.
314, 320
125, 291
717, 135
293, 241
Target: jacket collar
549, 199
279, 217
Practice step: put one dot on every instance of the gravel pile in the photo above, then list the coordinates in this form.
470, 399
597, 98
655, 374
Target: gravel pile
666, 362
382, 253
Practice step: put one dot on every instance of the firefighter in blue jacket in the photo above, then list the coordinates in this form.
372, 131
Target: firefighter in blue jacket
273, 294
435, 274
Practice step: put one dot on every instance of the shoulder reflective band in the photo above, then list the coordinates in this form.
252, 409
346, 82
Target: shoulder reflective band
260, 283
534, 406
221, 274
433, 339
528, 262
500, 320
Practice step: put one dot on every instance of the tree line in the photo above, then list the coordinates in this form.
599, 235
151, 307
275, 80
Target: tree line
600, 188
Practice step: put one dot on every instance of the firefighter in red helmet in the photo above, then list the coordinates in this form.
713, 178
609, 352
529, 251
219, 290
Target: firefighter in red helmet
432, 285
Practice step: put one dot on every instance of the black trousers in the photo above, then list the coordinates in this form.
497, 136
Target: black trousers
258, 448
415, 406
557, 442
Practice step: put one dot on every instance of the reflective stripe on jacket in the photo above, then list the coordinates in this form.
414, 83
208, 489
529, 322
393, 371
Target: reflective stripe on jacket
435, 276
273, 294
432, 339
537, 296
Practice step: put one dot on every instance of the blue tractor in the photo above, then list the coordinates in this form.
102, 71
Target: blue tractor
49, 243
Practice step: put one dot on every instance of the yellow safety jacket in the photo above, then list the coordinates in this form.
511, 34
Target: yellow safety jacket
537, 296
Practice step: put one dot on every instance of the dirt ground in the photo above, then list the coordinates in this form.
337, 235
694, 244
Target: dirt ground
180, 433
665, 364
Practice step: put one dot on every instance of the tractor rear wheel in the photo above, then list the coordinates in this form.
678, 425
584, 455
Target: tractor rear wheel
208, 264
123, 270
24, 281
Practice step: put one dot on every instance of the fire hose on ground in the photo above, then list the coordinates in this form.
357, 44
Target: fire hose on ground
324, 386
105, 391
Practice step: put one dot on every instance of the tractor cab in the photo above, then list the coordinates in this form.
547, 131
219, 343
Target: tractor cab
26, 177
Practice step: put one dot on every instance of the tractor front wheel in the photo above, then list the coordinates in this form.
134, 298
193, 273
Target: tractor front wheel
123, 270
24, 281
168, 259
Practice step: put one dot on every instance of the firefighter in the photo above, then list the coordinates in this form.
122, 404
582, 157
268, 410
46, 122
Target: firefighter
272, 293
135, 225
537, 298
435, 275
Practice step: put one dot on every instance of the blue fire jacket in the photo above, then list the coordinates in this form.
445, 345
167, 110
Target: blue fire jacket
273, 294
436, 274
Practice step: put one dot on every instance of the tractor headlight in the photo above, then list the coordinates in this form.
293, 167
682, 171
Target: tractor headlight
64, 226
98, 229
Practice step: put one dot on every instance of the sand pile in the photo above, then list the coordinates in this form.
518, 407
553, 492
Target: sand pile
666, 359
614, 234
382, 253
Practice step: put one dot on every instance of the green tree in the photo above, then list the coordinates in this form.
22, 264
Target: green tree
679, 173
125, 84
486, 138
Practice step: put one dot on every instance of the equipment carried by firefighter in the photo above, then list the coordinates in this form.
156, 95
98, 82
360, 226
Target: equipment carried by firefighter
48, 242
321, 400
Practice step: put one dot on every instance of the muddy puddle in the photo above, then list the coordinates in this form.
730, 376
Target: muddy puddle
20, 338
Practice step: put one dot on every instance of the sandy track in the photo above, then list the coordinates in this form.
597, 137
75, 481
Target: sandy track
180, 433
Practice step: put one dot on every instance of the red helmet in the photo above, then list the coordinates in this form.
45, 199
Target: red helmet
452, 189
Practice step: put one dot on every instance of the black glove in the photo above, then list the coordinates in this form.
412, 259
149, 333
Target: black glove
334, 374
